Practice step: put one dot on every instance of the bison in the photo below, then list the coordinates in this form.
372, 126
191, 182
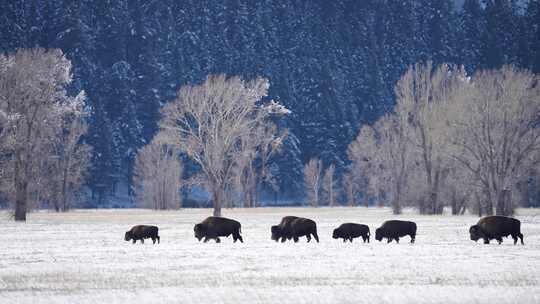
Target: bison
213, 227
292, 227
495, 227
141, 232
349, 231
393, 230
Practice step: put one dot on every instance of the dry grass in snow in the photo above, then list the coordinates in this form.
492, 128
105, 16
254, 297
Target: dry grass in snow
80, 257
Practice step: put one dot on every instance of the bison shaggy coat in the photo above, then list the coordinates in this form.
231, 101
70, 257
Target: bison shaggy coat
393, 230
495, 227
213, 227
292, 227
141, 232
349, 231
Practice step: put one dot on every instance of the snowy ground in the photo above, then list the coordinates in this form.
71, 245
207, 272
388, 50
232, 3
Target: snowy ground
80, 257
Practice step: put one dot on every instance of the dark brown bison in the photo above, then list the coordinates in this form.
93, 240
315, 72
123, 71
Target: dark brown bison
349, 231
141, 232
213, 227
393, 230
495, 227
292, 227
283, 231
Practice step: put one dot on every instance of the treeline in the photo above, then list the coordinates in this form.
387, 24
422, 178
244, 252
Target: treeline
334, 64
452, 141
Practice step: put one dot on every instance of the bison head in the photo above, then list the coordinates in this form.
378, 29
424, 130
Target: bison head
200, 231
476, 233
336, 234
128, 236
379, 234
276, 232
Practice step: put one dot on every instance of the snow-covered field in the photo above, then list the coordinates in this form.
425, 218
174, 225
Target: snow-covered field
81, 257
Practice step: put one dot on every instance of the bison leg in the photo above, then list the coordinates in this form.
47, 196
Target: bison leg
134, 241
397, 239
142, 240
316, 236
389, 240
158, 239
218, 240
499, 239
412, 238
153, 240
486, 241
295, 238
344, 240
521, 238
206, 239
283, 239
308, 237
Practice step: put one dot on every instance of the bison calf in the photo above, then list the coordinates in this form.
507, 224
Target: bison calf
213, 227
393, 230
141, 232
349, 231
495, 227
292, 227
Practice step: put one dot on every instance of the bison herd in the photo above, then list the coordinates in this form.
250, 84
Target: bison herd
293, 227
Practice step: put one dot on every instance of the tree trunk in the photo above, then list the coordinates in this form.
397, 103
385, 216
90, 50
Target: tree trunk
396, 206
21, 197
217, 200
396, 202
489, 203
21, 193
509, 206
64, 190
454, 204
479, 209
504, 204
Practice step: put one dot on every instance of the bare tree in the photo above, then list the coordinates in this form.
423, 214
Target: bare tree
313, 180
495, 127
158, 176
70, 157
349, 185
422, 95
366, 167
329, 184
252, 165
32, 99
209, 122
381, 154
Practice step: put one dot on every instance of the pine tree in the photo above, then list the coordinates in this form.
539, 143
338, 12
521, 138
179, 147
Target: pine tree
471, 28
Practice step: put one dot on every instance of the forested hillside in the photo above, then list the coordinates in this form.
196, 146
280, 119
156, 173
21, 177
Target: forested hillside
334, 64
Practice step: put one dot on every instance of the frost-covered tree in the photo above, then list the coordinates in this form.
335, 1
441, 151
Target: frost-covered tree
350, 188
158, 176
211, 121
381, 155
33, 98
251, 168
329, 185
313, 181
422, 94
70, 157
494, 125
